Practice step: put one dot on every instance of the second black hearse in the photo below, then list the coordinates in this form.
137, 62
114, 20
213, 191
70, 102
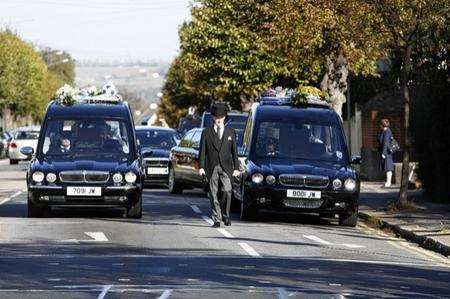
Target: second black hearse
86, 156
297, 160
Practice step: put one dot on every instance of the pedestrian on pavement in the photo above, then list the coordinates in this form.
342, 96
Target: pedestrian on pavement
219, 163
384, 140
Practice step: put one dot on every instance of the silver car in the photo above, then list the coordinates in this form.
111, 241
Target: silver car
25, 136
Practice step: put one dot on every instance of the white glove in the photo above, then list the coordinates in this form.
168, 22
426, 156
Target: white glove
201, 172
236, 173
383, 156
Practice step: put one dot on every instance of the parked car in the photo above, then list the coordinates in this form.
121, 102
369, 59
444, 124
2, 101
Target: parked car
23, 137
87, 156
188, 123
297, 160
184, 163
158, 142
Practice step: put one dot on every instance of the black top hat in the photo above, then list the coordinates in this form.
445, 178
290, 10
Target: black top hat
219, 110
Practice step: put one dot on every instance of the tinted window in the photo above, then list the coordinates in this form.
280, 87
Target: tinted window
156, 139
196, 139
87, 137
27, 135
291, 139
186, 141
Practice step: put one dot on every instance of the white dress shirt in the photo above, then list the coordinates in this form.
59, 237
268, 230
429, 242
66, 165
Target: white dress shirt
221, 130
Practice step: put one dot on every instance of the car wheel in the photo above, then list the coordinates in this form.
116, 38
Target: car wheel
348, 218
13, 162
135, 210
248, 212
174, 187
37, 212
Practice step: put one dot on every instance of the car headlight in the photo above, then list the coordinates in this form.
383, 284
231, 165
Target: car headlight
130, 177
337, 184
257, 178
270, 179
51, 177
38, 176
117, 178
350, 184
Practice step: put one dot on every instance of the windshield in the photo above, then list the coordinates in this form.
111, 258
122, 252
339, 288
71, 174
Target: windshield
291, 139
87, 137
156, 139
23, 135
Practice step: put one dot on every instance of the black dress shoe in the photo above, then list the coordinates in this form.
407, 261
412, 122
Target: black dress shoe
216, 224
227, 221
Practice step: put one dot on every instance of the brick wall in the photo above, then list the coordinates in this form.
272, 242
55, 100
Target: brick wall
371, 127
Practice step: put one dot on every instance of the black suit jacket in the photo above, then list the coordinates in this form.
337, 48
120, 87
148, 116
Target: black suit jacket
215, 151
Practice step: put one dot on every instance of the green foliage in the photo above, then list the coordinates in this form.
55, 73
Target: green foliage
24, 79
60, 63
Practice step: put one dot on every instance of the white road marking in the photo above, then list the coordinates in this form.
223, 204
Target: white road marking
249, 249
196, 209
124, 279
317, 239
97, 236
16, 194
323, 242
166, 294
104, 291
5, 200
207, 219
54, 279
225, 233
282, 294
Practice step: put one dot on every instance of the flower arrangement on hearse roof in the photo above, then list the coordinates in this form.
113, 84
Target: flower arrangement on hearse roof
68, 95
301, 96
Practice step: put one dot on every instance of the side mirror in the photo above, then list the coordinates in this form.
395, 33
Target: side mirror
356, 159
27, 151
146, 153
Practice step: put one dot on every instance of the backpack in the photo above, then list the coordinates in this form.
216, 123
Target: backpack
393, 146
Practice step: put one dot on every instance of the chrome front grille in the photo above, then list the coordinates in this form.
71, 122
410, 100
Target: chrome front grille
300, 180
156, 162
83, 176
303, 203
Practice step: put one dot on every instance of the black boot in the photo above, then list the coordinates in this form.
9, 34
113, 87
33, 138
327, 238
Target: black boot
216, 224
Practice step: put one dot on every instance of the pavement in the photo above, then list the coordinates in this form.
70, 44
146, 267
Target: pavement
426, 223
172, 252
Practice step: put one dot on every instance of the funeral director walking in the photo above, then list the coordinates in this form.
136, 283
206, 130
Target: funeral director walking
219, 162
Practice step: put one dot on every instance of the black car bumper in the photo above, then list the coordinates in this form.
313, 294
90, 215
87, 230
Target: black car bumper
111, 196
157, 180
275, 198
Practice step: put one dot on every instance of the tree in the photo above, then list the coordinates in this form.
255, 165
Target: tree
61, 63
410, 25
23, 79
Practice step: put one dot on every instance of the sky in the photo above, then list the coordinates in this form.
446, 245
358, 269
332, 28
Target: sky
100, 29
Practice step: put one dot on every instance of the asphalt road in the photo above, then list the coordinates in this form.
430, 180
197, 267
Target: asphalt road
172, 252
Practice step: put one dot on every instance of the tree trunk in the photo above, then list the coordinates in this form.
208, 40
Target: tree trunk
405, 75
334, 82
6, 119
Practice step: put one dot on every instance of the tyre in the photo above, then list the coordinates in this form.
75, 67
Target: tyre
174, 187
248, 212
13, 162
37, 212
135, 210
349, 218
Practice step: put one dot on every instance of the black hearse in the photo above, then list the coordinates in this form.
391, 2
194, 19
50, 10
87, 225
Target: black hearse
297, 160
86, 156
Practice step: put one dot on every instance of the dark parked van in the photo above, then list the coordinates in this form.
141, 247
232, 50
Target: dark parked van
297, 160
86, 156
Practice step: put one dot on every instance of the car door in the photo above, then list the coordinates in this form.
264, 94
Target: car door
194, 162
180, 158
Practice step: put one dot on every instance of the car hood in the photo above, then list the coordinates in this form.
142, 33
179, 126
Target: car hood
59, 164
303, 167
156, 152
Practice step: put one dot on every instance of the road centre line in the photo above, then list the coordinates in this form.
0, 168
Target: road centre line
5, 200
317, 239
97, 236
225, 233
166, 294
196, 209
105, 290
249, 249
208, 220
